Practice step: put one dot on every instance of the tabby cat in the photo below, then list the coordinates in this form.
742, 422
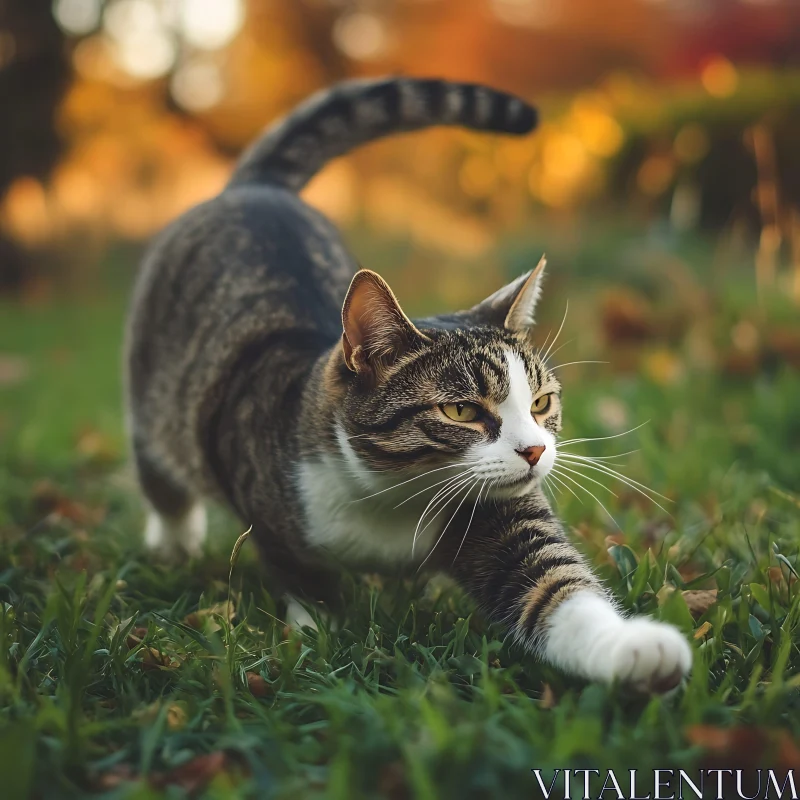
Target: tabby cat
346, 433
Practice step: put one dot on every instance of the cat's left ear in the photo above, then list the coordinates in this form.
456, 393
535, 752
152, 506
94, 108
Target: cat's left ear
376, 332
513, 306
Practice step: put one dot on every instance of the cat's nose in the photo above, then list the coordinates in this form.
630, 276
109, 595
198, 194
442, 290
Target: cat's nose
532, 454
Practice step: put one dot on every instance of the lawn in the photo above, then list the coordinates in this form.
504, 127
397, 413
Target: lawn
123, 677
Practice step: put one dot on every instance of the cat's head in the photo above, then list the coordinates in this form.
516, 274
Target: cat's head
465, 393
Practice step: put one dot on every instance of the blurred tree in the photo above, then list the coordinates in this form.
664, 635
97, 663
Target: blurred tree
34, 72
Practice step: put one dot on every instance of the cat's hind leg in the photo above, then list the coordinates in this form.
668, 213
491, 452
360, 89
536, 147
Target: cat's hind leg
176, 521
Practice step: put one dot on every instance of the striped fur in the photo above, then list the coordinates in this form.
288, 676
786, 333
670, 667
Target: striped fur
333, 122
259, 375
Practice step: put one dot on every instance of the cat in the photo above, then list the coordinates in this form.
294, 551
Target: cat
265, 371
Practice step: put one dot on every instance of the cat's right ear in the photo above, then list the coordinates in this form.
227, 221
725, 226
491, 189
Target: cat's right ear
513, 306
376, 332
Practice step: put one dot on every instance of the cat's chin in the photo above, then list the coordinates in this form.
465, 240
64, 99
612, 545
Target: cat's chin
515, 487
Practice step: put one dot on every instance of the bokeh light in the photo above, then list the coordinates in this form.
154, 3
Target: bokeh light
77, 17
719, 77
197, 85
140, 43
210, 24
360, 35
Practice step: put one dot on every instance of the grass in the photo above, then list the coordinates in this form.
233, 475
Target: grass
123, 677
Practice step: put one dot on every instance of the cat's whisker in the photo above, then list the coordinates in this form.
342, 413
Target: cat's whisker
570, 363
601, 438
444, 530
471, 516
548, 488
416, 478
444, 500
603, 467
547, 353
641, 488
427, 488
598, 458
544, 343
591, 494
548, 347
566, 486
561, 347
441, 498
575, 472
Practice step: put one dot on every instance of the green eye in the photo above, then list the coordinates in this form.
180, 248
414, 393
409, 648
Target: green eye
541, 404
460, 412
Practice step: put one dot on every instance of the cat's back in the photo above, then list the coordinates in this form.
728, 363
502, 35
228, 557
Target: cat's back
254, 272
253, 253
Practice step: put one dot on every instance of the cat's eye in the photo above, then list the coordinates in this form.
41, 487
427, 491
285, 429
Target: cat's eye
460, 412
541, 404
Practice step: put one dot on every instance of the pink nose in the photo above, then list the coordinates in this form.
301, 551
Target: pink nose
532, 454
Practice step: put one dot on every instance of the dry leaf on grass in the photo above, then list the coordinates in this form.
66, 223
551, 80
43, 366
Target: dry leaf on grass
194, 775
548, 698
153, 658
136, 637
699, 601
114, 777
200, 618
746, 746
702, 630
48, 500
257, 685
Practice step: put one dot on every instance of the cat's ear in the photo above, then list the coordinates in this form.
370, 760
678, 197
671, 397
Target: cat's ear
513, 306
375, 329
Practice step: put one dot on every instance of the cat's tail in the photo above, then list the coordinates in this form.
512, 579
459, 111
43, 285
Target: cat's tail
336, 120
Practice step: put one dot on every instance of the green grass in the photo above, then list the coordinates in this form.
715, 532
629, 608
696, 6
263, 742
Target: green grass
116, 672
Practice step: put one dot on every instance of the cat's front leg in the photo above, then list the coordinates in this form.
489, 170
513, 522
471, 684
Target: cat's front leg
522, 570
586, 635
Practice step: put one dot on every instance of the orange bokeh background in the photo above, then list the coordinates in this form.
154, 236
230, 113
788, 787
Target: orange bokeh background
635, 96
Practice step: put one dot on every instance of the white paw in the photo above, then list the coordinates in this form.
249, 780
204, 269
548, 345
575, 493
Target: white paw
172, 538
649, 656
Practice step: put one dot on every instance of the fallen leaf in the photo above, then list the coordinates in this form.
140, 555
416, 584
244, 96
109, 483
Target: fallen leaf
200, 618
746, 746
153, 658
194, 775
548, 698
135, 637
49, 500
777, 575
698, 601
257, 685
702, 630
114, 777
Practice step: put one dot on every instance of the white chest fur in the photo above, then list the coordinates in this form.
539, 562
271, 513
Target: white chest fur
342, 518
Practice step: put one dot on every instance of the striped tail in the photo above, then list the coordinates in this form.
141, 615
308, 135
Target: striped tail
334, 121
